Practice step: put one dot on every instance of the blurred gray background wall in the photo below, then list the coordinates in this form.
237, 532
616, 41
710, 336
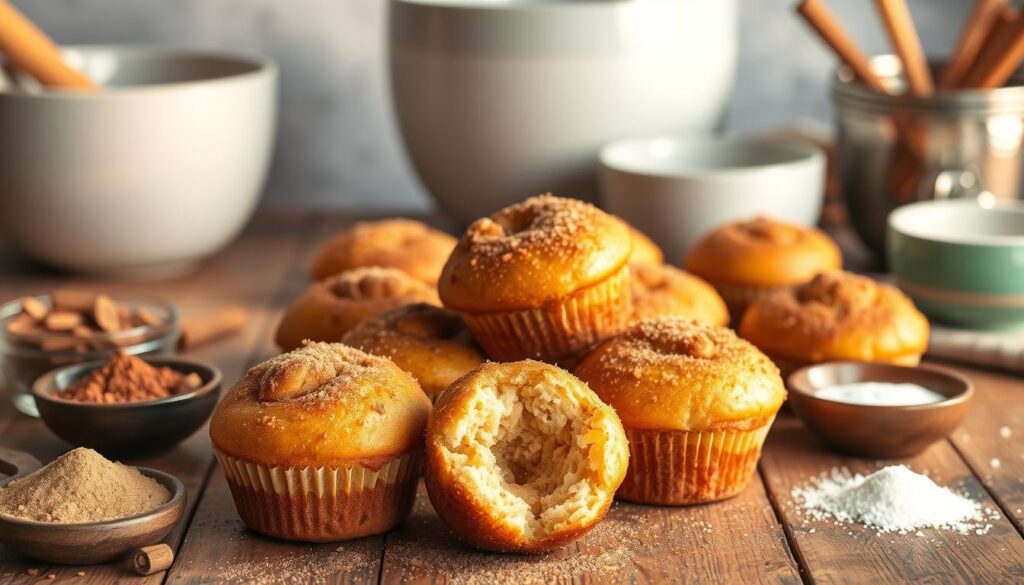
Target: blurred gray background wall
337, 145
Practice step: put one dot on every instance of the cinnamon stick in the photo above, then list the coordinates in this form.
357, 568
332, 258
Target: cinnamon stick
828, 28
212, 327
900, 26
985, 15
1006, 63
34, 53
999, 35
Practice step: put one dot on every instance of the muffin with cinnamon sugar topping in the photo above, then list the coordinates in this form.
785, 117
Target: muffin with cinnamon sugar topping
837, 316
748, 260
430, 343
543, 278
696, 402
330, 308
408, 245
662, 290
323, 443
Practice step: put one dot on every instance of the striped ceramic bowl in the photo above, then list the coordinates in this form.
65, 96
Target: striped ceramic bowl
961, 261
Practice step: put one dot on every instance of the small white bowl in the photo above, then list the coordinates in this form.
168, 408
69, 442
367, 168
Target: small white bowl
161, 168
677, 188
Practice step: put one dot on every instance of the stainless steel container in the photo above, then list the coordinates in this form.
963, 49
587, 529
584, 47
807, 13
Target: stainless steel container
971, 144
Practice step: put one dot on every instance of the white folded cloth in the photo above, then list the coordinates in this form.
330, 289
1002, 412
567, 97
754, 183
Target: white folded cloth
993, 349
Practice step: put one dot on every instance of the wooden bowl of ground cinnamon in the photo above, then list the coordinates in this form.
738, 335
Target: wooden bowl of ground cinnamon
83, 509
128, 406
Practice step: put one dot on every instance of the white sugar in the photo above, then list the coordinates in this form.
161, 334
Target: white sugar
893, 499
880, 394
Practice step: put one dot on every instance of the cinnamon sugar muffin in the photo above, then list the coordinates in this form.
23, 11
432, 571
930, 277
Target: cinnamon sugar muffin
750, 259
837, 316
410, 246
696, 402
433, 345
328, 309
543, 278
321, 444
522, 457
663, 290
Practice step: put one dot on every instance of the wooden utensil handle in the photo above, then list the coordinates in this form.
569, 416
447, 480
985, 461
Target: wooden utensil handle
15, 464
34, 53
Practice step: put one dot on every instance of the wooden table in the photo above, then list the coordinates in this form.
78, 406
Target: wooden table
756, 537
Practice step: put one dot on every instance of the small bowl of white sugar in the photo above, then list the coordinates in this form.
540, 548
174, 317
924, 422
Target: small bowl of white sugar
879, 410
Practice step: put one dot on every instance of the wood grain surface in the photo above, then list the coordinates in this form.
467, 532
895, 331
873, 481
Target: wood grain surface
758, 537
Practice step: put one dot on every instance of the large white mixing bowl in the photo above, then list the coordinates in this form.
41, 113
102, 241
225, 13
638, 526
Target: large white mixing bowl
498, 100
160, 169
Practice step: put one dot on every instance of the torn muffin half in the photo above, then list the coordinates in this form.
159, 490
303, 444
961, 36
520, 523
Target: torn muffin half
523, 457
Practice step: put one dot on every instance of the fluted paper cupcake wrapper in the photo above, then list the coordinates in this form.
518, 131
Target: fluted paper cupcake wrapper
738, 297
690, 467
559, 330
322, 504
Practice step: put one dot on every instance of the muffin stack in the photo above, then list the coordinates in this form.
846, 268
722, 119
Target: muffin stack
665, 404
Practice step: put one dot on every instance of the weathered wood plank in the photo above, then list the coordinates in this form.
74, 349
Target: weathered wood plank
842, 553
227, 279
991, 440
736, 541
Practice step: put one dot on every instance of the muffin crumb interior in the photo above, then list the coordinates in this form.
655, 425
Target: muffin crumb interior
532, 452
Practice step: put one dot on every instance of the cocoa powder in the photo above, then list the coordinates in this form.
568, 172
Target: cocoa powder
126, 378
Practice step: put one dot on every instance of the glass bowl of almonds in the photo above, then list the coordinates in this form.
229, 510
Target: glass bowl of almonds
44, 332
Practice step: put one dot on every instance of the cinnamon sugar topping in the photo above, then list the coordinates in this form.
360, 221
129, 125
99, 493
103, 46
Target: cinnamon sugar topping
315, 371
828, 300
543, 223
372, 282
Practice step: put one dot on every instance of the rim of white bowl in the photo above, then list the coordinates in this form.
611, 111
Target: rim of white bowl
793, 153
260, 67
907, 220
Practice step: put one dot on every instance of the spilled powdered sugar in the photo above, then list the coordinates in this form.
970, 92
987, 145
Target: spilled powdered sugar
892, 499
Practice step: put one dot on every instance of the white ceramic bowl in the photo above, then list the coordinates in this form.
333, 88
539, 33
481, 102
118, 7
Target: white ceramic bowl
676, 189
499, 100
160, 169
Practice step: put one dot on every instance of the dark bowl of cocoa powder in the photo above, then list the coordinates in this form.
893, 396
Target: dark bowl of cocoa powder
128, 406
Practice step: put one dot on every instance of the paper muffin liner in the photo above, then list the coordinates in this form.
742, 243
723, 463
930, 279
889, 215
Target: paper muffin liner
738, 297
556, 330
322, 504
690, 467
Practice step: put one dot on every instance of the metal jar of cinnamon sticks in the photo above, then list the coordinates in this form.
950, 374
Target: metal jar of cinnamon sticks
908, 131
971, 142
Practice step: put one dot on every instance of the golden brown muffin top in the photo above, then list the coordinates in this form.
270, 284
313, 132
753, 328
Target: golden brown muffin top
644, 248
763, 252
837, 315
408, 245
322, 404
663, 290
431, 344
522, 456
330, 308
375, 282
674, 374
531, 253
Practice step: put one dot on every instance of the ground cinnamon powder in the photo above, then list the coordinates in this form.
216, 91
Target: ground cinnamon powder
126, 378
81, 486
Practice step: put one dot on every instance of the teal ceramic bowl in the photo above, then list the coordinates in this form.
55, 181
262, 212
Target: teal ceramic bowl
961, 262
